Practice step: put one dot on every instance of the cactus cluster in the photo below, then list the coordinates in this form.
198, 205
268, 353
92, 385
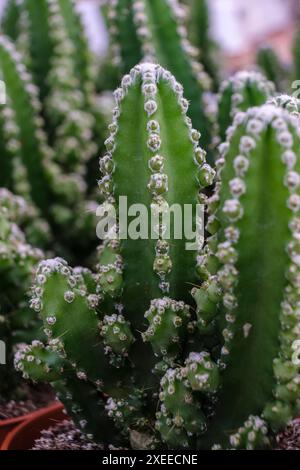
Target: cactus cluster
160, 360
156, 346
50, 123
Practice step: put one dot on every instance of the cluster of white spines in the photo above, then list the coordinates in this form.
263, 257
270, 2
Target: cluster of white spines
25, 354
252, 435
238, 84
47, 268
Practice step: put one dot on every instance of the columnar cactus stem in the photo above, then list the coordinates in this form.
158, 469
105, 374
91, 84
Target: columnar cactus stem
198, 27
46, 182
271, 67
161, 158
238, 93
154, 31
10, 22
257, 316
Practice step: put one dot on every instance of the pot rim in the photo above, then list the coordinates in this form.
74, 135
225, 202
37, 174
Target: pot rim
27, 420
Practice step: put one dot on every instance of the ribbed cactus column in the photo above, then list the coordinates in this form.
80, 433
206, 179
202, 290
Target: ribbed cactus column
198, 25
154, 31
257, 204
161, 157
271, 67
240, 92
10, 22
52, 191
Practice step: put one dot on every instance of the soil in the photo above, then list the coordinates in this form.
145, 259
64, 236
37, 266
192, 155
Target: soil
32, 399
64, 436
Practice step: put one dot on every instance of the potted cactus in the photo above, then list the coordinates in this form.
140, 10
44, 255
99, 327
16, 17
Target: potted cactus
139, 356
162, 338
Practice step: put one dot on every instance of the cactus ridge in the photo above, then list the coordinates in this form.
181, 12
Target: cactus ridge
136, 37
238, 93
257, 133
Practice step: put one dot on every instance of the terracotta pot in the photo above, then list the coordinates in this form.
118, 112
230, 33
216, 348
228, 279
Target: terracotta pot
23, 435
7, 425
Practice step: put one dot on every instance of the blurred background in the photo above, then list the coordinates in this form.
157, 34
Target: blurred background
240, 27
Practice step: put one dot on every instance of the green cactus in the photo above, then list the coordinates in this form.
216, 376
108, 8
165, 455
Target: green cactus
229, 376
10, 22
53, 43
46, 182
31, 168
271, 67
257, 316
137, 282
154, 31
17, 260
238, 93
296, 56
198, 25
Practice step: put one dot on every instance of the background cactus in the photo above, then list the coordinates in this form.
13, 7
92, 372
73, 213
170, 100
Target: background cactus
17, 259
198, 26
238, 93
155, 31
257, 317
30, 166
271, 67
246, 307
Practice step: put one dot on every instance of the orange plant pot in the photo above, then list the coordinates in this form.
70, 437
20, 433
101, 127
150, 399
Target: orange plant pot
22, 434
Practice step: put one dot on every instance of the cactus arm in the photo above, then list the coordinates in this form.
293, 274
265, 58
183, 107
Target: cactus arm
40, 43
198, 27
10, 23
42, 364
9, 146
159, 29
270, 66
126, 48
240, 92
25, 105
82, 55
252, 320
64, 316
178, 149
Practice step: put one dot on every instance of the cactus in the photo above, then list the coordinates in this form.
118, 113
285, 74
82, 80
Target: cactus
240, 92
154, 31
43, 175
137, 282
198, 26
53, 43
17, 259
258, 315
31, 167
271, 67
10, 23
296, 56
224, 371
